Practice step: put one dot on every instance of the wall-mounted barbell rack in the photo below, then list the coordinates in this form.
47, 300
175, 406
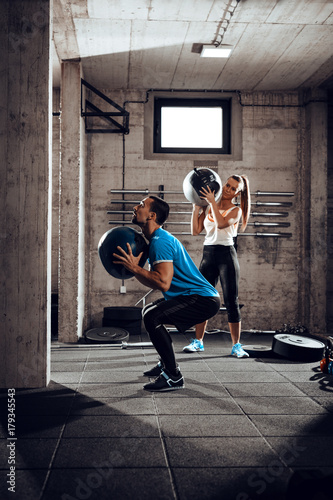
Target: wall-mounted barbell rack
161, 192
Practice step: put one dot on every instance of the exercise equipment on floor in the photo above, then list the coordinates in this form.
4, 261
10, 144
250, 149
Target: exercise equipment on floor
200, 178
120, 236
106, 335
104, 345
258, 350
297, 348
289, 346
326, 364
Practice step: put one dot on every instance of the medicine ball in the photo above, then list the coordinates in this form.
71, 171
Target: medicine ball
120, 236
200, 178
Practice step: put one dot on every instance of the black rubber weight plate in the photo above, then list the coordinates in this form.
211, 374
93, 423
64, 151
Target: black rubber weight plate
258, 351
107, 335
298, 348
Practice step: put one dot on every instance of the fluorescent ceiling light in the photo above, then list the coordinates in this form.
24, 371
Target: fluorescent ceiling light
216, 51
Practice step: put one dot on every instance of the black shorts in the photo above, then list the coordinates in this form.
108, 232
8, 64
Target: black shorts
182, 312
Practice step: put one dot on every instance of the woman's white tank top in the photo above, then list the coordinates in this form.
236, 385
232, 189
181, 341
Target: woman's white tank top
216, 236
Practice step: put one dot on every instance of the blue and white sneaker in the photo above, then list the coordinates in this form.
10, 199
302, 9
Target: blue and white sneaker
238, 351
195, 345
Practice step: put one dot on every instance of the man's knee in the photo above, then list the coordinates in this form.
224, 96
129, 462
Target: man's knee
150, 316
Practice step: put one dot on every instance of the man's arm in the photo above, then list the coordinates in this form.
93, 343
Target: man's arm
158, 279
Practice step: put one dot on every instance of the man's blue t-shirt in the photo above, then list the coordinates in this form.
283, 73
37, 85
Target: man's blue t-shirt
187, 279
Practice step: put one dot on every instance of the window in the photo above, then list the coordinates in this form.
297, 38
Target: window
192, 126
218, 118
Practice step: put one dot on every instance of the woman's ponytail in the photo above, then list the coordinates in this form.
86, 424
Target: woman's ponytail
245, 201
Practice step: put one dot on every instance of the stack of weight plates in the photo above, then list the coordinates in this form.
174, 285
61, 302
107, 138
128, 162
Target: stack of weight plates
298, 348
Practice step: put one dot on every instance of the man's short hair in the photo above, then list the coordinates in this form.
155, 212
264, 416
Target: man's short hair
161, 209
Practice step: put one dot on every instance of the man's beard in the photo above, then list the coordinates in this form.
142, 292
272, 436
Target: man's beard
135, 220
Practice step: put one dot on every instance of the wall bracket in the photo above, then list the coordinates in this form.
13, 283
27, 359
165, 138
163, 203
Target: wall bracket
90, 110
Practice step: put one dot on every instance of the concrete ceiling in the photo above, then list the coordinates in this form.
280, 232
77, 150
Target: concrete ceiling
153, 44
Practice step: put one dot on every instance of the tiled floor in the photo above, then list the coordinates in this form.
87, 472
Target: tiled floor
239, 430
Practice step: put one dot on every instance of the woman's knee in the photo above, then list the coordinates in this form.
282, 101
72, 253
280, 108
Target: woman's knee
233, 311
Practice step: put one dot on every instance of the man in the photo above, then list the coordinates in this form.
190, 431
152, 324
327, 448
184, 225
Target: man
188, 297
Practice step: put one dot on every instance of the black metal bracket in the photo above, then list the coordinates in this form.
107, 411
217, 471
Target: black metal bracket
89, 110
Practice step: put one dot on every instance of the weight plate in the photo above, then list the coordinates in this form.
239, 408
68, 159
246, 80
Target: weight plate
106, 335
298, 348
257, 351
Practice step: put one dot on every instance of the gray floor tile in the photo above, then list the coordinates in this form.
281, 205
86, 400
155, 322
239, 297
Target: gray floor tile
66, 377
28, 485
325, 401
200, 425
113, 376
40, 404
113, 389
108, 453
304, 451
92, 484
29, 453
197, 406
292, 366
243, 365
237, 431
294, 425
322, 387
37, 426
197, 388
232, 483
122, 365
279, 405
267, 389
113, 406
263, 377
219, 452
302, 376
112, 426
67, 366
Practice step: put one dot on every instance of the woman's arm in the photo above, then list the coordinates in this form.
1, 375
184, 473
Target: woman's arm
159, 279
197, 220
221, 222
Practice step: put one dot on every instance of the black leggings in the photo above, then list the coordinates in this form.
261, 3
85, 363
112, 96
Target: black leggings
220, 261
183, 312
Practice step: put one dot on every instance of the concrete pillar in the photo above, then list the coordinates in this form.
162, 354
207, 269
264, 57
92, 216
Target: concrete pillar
25, 197
314, 204
72, 207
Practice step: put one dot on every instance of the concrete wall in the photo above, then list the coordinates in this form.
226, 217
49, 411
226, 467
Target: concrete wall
72, 206
55, 190
272, 278
25, 142
329, 281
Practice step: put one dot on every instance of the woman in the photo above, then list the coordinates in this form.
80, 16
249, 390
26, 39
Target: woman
220, 219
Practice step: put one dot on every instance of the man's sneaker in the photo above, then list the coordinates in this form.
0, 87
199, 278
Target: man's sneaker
238, 351
195, 345
155, 371
166, 382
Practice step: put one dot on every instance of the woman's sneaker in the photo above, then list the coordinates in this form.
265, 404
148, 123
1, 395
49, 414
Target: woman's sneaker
195, 345
166, 382
238, 351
